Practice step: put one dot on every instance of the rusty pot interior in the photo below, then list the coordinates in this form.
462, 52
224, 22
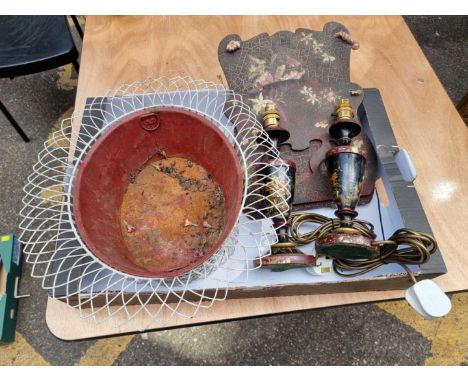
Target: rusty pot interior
111, 169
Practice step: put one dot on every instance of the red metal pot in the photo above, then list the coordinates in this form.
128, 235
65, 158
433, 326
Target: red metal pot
105, 173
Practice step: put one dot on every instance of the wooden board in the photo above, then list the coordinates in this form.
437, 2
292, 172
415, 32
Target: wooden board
119, 50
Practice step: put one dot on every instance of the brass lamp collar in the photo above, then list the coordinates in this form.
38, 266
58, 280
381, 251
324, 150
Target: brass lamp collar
344, 110
271, 117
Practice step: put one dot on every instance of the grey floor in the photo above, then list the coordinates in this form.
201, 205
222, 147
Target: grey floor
319, 337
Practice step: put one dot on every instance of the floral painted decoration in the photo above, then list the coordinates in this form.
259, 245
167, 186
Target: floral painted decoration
304, 73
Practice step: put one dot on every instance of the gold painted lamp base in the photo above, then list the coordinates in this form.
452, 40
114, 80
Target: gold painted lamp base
346, 243
285, 256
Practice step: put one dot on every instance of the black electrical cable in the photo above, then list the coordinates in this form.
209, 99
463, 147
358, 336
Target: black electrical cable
404, 247
380, 214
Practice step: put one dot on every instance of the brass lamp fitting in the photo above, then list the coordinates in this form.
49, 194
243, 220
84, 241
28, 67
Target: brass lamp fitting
345, 167
344, 110
271, 117
345, 126
271, 124
279, 192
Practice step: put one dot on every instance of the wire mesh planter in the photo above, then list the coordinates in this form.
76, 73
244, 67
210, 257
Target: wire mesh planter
71, 272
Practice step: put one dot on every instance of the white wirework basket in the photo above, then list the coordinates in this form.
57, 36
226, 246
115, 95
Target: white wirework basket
70, 271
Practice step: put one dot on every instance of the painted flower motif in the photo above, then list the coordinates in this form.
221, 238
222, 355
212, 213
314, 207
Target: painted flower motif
310, 96
292, 71
280, 72
279, 182
293, 75
257, 67
322, 124
334, 177
306, 37
278, 191
258, 103
245, 142
317, 47
327, 58
329, 95
292, 63
264, 79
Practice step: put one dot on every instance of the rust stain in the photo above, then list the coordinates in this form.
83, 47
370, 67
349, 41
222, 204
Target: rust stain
172, 214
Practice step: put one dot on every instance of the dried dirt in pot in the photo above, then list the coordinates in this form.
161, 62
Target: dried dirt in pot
171, 215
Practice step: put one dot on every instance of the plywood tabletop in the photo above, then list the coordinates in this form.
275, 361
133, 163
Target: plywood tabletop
121, 49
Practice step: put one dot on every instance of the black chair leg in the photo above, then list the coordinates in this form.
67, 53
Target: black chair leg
76, 65
13, 122
77, 26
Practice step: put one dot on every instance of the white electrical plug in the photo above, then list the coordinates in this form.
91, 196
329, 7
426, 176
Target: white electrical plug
323, 267
428, 299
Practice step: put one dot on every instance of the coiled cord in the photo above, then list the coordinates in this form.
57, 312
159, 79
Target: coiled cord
404, 247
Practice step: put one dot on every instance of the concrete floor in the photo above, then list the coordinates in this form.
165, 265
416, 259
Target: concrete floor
368, 334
